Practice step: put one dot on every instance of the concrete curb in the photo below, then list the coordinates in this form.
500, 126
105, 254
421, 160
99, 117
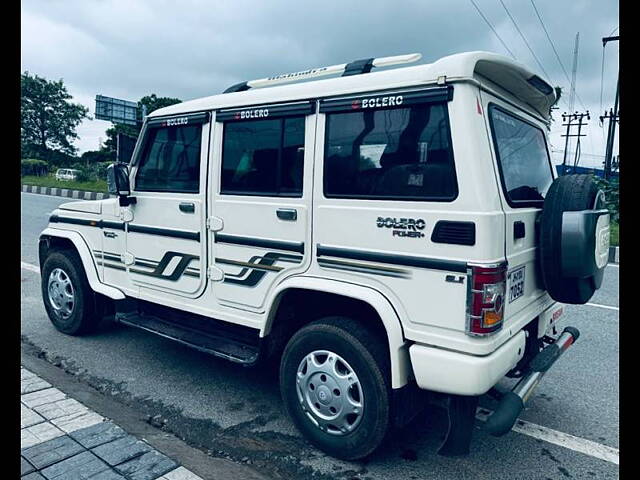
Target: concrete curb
64, 192
614, 254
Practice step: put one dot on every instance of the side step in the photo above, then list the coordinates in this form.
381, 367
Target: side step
219, 346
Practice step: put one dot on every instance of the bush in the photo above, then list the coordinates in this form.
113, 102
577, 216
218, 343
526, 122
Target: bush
611, 189
32, 166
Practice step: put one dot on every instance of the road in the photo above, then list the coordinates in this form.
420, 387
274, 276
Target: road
234, 412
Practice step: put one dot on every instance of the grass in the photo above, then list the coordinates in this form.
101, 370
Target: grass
50, 181
615, 241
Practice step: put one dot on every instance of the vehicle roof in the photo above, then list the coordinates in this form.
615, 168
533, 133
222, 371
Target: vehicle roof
503, 71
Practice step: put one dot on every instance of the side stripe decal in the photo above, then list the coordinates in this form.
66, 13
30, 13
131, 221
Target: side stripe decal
164, 232
406, 260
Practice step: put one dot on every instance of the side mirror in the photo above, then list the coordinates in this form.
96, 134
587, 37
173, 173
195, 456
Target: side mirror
118, 182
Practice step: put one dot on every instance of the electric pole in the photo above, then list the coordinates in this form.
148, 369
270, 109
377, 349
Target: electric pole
612, 117
573, 120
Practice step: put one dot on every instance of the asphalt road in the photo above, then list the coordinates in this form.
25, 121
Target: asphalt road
235, 412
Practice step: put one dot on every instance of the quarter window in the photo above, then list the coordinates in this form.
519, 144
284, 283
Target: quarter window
393, 154
263, 157
522, 157
171, 160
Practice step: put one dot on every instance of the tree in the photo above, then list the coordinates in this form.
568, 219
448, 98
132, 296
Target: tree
152, 102
48, 120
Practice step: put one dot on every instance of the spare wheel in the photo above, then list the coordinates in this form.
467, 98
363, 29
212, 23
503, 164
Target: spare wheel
574, 239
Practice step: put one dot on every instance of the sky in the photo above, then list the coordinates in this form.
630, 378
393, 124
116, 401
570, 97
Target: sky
192, 48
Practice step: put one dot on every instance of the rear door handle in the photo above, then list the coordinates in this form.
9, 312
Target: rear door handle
187, 207
289, 214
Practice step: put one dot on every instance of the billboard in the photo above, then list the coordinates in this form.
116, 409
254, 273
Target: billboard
116, 110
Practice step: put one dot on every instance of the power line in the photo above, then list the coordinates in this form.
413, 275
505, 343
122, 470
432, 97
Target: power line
524, 38
493, 29
564, 70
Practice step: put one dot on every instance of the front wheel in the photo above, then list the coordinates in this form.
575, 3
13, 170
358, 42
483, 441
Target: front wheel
335, 383
67, 296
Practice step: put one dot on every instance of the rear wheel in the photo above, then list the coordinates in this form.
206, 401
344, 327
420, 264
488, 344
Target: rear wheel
335, 383
68, 298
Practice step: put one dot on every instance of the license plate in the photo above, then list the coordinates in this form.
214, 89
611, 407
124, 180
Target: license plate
515, 280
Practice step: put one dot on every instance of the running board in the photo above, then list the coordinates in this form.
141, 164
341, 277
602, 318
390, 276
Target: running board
218, 346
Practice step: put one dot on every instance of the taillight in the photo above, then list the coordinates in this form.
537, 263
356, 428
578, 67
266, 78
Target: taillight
485, 301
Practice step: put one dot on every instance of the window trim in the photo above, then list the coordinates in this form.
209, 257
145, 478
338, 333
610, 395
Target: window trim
143, 148
248, 193
448, 199
515, 203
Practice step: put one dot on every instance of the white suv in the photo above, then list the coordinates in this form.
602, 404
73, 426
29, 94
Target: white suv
393, 239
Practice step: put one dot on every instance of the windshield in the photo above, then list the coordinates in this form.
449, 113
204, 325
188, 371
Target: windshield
522, 157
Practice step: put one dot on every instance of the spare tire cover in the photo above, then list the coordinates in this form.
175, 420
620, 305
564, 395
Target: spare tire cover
567, 278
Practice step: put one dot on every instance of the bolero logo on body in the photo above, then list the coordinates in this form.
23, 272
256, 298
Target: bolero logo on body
172, 122
378, 102
246, 114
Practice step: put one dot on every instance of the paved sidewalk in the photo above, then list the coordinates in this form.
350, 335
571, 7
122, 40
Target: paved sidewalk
62, 439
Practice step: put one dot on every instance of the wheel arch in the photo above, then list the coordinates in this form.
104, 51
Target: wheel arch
51, 238
356, 299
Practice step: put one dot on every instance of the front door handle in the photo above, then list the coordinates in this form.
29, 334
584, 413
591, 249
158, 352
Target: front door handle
289, 214
187, 207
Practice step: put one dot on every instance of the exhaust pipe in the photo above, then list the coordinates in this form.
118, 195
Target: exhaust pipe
512, 403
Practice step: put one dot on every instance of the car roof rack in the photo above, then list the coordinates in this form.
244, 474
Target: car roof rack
356, 67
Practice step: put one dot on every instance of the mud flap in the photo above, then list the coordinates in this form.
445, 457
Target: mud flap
461, 414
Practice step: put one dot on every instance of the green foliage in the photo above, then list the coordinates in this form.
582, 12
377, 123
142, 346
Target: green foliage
92, 157
32, 166
611, 189
48, 120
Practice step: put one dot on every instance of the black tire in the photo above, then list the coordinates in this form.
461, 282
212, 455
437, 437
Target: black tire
367, 354
567, 193
84, 317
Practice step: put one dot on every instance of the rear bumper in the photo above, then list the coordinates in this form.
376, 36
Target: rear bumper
446, 371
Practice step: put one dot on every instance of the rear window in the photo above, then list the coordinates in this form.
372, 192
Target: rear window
390, 154
523, 158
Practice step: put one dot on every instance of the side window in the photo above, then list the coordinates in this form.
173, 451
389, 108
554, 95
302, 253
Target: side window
263, 157
170, 160
390, 154
523, 158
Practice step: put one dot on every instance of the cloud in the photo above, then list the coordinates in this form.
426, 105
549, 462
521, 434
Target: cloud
190, 49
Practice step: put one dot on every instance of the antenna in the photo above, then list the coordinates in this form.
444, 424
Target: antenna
354, 68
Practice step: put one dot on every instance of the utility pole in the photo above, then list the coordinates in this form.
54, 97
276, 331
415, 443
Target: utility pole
572, 93
571, 120
612, 117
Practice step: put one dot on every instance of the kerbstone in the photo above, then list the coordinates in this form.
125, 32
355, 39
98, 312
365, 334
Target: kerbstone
28, 417
180, 473
98, 434
33, 476
85, 465
76, 421
52, 451
61, 408
25, 466
121, 450
32, 384
48, 395
38, 433
149, 466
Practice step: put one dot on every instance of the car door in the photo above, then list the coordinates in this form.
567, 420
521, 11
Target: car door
525, 174
165, 247
261, 199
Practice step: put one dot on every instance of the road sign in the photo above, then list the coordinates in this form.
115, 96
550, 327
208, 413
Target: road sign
116, 110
